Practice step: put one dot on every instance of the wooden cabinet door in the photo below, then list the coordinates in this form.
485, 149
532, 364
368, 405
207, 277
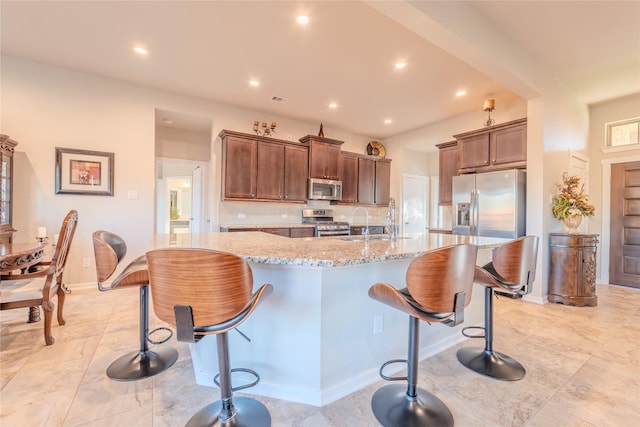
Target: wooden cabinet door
298, 232
366, 181
448, 168
382, 182
474, 151
296, 171
270, 182
509, 145
284, 232
324, 160
240, 168
349, 177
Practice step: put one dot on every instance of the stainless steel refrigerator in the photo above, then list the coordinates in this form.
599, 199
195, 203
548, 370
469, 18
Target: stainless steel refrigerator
490, 204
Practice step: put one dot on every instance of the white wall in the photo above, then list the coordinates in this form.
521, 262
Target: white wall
46, 107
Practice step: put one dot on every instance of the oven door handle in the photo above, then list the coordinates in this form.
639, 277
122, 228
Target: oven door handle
329, 233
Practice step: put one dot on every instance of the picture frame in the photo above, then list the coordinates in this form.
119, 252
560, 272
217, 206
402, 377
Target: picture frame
84, 172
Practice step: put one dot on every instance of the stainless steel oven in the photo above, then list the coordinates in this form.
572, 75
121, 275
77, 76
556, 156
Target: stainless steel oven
325, 225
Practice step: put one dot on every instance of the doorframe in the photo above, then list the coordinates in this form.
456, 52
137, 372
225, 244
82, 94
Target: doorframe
605, 238
427, 202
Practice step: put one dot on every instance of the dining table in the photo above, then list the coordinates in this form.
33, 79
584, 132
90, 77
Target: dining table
21, 256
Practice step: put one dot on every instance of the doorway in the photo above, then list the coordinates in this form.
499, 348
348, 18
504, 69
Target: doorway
624, 252
183, 157
415, 203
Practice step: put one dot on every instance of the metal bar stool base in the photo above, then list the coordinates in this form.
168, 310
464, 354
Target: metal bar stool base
393, 408
249, 413
491, 363
141, 364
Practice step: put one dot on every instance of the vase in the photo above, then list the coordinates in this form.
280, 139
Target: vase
572, 223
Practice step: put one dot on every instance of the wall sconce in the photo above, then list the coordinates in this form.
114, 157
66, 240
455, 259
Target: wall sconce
489, 106
266, 130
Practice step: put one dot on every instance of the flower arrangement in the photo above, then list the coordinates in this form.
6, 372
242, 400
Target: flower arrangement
570, 201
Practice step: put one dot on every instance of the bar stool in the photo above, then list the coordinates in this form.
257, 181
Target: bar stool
109, 250
512, 270
203, 292
439, 285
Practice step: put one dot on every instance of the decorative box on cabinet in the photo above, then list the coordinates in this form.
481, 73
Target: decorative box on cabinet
572, 271
502, 146
7, 148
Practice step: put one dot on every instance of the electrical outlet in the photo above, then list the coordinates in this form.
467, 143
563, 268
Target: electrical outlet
86, 262
377, 325
241, 215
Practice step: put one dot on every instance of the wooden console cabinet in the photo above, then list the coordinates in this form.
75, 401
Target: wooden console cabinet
572, 272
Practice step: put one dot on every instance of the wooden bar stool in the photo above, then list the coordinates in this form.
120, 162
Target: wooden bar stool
512, 270
203, 292
439, 285
109, 250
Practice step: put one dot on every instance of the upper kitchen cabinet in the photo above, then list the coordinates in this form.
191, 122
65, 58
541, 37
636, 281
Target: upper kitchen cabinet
258, 168
239, 165
349, 177
373, 181
502, 146
448, 168
324, 157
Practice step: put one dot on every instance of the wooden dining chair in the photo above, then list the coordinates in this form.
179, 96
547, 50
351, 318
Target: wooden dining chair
19, 290
439, 285
202, 292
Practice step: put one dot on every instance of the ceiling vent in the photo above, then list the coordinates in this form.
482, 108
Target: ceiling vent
279, 99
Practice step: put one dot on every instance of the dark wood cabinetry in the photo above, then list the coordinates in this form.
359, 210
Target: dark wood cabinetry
255, 168
324, 157
448, 168
502, 146
383, 182
294, 232
366, 180
349, 177
572, 270
7, 148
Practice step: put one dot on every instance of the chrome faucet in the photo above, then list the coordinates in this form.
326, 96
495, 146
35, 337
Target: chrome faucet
366, 215
391, 220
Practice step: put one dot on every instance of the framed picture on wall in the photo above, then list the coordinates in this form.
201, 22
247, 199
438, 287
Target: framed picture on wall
84, 172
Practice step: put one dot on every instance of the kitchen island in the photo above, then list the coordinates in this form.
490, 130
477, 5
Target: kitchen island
313, 339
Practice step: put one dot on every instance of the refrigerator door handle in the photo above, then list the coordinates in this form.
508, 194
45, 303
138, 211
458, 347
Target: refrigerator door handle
475, 212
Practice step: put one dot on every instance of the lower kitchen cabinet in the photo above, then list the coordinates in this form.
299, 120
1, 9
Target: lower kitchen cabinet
572, 270
295, 232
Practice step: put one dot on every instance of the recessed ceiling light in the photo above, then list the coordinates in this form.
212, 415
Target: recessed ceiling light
167, 121
140, 50
302, 19
254, 83
333, 105
400, 65
387, 121
461, 92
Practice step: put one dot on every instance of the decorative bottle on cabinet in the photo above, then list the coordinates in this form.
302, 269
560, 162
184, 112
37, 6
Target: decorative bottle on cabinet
572, 272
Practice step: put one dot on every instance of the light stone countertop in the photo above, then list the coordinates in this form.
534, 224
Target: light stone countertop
259, 247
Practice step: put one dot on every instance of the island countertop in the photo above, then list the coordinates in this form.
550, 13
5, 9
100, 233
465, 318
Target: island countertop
267, 248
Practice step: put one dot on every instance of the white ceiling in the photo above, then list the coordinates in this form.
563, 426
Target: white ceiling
211, 49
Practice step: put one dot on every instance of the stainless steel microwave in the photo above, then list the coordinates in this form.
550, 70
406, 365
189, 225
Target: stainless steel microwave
324, 189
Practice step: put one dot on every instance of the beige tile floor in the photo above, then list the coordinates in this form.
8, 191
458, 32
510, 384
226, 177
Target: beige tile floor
583, 369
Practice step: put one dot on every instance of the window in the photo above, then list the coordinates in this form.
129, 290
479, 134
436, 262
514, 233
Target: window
623, 132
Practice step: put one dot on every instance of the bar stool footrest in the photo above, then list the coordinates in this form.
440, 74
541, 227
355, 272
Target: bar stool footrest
387, 378
468, 335
162, 341
216, 379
